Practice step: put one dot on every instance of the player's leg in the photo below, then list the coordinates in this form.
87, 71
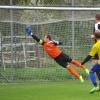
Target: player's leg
93, 80
98, 75
61, 60
78, 64
93, 62
75, 62
74, 72
94, 68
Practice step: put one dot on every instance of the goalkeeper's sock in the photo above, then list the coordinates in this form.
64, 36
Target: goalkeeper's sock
78, 64
72, 71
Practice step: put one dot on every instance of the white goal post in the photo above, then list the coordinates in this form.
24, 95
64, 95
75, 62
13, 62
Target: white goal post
52, 8
71, 9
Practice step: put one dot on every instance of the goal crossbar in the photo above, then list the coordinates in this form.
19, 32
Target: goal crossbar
52, 8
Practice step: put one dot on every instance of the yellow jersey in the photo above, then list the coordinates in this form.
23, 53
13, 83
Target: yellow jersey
96, 50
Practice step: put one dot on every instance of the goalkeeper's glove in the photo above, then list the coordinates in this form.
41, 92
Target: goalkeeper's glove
28, 31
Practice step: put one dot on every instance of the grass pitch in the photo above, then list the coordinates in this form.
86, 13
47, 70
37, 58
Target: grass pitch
66, 90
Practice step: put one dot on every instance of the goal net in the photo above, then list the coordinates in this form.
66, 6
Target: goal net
22, 59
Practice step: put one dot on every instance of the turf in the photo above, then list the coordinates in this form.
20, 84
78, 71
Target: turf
66, 90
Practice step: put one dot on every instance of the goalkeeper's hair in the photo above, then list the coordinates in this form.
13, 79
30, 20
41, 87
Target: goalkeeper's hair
97, 34
48, 36
97, 16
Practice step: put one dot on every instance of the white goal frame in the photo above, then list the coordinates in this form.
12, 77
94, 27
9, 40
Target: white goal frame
52, 8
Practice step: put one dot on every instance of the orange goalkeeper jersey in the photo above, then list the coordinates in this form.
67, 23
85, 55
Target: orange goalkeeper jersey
51, 49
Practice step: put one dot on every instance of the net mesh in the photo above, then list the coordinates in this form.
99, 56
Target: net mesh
52, 2
22, 59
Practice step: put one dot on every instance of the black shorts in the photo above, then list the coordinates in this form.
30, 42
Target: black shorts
63, 60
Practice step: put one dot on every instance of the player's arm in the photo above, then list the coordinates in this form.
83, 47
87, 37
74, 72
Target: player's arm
86, 59
29, 32
40, 41
91, 54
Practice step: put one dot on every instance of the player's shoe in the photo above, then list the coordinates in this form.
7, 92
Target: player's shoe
87, 71
94, 89
81, 79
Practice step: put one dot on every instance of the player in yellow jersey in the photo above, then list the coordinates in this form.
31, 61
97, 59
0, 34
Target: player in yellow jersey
96, 28
96, 67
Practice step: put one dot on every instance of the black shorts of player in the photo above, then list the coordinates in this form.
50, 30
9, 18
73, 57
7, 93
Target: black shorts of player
63, 60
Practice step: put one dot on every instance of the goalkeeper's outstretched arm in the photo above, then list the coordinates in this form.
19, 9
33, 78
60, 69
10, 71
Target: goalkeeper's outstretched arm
29, 32
40, 41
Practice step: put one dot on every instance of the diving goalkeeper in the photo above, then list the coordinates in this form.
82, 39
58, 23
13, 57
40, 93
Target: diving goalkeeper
50, 47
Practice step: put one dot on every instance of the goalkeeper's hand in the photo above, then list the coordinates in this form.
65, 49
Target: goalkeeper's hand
28, 31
